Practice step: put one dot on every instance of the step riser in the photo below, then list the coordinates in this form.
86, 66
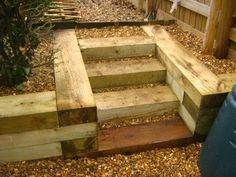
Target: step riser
127, 79
117, 47
118, 51
120, 113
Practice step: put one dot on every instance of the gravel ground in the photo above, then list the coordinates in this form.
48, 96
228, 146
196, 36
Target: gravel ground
136, 59
113, 31
116, 89
194, 44
41, 77
169, 162
107, 10
152, 117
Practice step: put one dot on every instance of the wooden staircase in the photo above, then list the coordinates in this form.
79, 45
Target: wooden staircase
128, 80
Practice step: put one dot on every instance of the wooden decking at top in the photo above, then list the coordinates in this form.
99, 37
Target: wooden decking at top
75, 101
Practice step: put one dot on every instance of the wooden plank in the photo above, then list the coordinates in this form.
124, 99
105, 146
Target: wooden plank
128, 72
28, 112
132, 102
232, 35
186, 69
192, 21
117, 47
205, 121
75, 101
179, 92
31, 153
187, 118
196, 112
79, 147
47, 136
223, 28
142, 137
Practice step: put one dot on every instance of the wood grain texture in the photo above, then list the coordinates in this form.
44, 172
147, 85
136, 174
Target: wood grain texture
186, 69
117, 47
143, 137
123, 73
47, 136
75, 101
28, 112
179, 92
31, 153
187, 118
223, 29
114, 105
79, 147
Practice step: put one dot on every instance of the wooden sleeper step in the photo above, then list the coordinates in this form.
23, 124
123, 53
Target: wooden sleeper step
166, 133
117, 47
123, 73
112, 105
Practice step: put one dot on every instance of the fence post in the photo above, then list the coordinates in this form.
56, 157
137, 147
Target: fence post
223, 29
211, 27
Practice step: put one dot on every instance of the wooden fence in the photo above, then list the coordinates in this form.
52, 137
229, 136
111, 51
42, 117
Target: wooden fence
192, 15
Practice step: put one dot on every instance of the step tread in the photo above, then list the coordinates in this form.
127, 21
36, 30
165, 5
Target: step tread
114, 41
166, 133
133, 97
123, 67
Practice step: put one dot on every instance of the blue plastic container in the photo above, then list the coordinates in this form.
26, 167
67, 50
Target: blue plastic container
218, 155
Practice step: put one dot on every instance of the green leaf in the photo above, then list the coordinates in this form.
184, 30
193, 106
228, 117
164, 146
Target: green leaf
20, 87
27, 71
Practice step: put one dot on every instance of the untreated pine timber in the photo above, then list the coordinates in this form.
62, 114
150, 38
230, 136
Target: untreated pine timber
223, 29
117, 47
28, 112
75, 101
211, 26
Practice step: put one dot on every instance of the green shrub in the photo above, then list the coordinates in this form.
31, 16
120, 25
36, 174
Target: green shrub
18, 38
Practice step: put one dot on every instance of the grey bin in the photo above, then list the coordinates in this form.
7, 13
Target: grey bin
218, 154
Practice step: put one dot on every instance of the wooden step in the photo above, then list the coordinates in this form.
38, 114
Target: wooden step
117, 47
123, 73
74, 96
132, 102
166, 133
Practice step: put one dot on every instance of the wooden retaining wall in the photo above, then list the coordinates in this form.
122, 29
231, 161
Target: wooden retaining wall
56, 123
200, 97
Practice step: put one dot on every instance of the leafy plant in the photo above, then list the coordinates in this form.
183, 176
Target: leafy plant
18, 37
